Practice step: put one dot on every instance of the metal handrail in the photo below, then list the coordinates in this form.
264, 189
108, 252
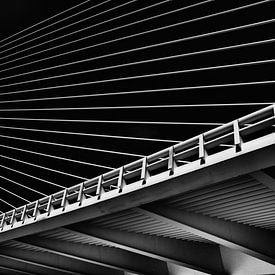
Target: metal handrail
198, 148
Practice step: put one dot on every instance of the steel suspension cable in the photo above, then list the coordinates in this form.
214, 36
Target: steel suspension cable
140, 107
185, 39
255, 43
7, 203
45, 168
89, 59
43, 21
57, 157
14, 194
73, 146
178, 89
145, 75
91, 135
110, 30
69, 25
25, 64
31, 176
22, 185
52, 24
113, 121
141, 33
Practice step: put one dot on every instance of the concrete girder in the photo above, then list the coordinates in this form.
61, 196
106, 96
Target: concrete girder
28, 266
265, 179
55, 263
250, 240
198, 256
109, 257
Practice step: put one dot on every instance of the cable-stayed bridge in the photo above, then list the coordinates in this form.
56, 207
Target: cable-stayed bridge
116, 152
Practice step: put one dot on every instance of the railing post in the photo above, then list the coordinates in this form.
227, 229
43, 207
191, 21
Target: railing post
64, 197
80, 194
237, 137
121, 181
35, 210
2, 223
202, 151
12, 217
49, 205
23, 215
171, 161
144, 171
99, 189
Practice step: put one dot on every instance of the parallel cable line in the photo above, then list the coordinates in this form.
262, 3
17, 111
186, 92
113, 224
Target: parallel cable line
113, 121
56, 157
238, 46
43, 59
22, 185
73, 146
31, 176
89, 59
267, 82
122, 5
69, 25
7, 203
54, 23
13, 194
43, 167
104, 32
150, 31
90, 135
234, 65
139, 107
43, 21
88, 83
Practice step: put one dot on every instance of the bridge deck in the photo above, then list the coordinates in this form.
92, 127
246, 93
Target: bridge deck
205, 197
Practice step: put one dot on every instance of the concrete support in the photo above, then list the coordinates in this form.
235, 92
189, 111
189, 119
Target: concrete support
52, 263
238, 263
12, 271
199, 256
29, 267
250, 240
265, 179
180, 270
114, 258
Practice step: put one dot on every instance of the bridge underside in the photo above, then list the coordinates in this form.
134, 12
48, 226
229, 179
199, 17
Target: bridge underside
219, 219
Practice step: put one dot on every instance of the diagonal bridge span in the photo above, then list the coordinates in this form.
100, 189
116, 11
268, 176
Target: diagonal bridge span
202, 196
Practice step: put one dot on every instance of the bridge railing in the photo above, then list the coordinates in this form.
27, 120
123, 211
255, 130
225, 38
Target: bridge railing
196, 149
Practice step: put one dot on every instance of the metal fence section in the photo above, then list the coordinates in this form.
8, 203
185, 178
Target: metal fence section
197, 149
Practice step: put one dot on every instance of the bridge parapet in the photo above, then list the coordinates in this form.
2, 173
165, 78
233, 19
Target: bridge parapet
196, 150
